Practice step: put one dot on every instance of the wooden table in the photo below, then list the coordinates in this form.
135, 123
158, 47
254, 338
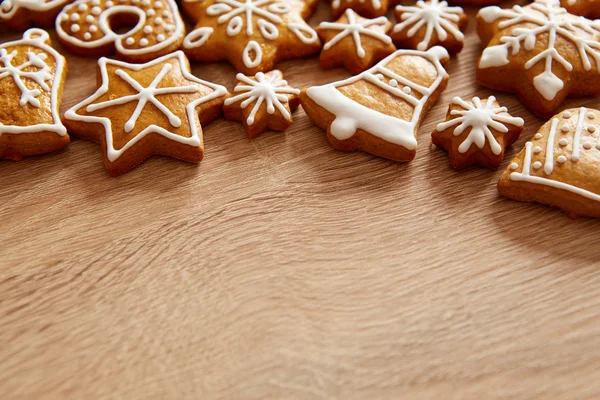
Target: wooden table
280, 268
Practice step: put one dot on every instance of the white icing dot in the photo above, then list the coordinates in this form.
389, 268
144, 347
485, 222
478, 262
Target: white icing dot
514, 165
147, 29
393, 82
143, 42
591, 115
406, 89
96, 10
565, 128
563, 142
160, 37
95, 2
82, 7
74, 17
6, 5
93, 28
591, 129
166, 14
87, 36
145, 3
89, 19
566, 115
537, 165
587, 145
158, 21
157, 4
561, 159
537, 149
379, 76
75, 28
109, 4
130, 41
64, 17
150, 12
538, 136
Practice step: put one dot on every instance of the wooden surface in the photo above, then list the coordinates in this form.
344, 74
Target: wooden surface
280, 268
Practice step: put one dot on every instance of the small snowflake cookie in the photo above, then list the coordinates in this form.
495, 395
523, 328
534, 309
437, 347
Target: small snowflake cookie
355, 42
477, 132
560, 166
540, 52
587, 8
430, 23
263, 102
32, 76
89, 28
367, 8
20, 14
251, 34
379, 111
145, 109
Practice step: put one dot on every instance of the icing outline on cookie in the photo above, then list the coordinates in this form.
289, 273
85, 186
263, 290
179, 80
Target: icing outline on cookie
8, 8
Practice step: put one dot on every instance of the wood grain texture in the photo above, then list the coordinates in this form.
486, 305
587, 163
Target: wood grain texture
280, 268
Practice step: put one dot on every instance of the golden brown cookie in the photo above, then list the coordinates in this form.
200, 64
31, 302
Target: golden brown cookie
540, 52
20, 14
88, 28
264, 101
477, 132
430, 23
32, 77
560, 166
145, 109
366, 8
587, 8
252, 35
355, 42
379, 111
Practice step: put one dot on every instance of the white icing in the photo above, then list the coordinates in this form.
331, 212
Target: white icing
591, 129
10, 7
587, 145
538, 136
87, 36
591, 115
93, 28
271, 89
577, 137
435, 15
563, 142
561, 159
143, 42
351, 115
537, 165
144, 96
565, 128
104, 12
549, 164
514, 166
537, 149
547, 19
252, 47
35, 39
374, 28
393, 82
130, 41
89, 19
375, 4
74, 17
480, 118
567, 115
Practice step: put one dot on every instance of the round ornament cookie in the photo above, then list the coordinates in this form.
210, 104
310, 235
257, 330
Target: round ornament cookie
21, 14
560, 165
32, 77
89, 28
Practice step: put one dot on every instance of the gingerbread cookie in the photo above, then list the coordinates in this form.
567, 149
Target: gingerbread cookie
477, 132
367, 8
428, 24
540, 52
88, 28
355, 42
253, 34
587, 8
20, 14
379, 111
32, 77
265, 101
560, 166
145, 109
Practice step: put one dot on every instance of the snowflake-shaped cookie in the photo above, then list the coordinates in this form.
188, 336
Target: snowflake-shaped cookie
355, 42
430, 23
541, 52
145, 109
19, 14
264, 102
368, 8
252, 34
477, 132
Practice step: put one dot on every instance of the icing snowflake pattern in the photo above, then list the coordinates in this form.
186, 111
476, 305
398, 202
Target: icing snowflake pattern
271, 89
543, 17
17, 72
479, 117
355, 29
437, 17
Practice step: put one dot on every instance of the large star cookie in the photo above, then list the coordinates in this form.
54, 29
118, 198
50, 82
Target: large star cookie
379, 111
145, 109
32, 76
560, 166
89, 28
428, 24
367, 8
19, 14
252, 34
355, 42
541, 52
477, 132
587, 8
264, 101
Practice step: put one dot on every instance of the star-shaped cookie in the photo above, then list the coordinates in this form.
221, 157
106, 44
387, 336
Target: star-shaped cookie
355, 42
145, 109
264, 101
430, 23
540, 52
477, 132
251, 34
367, 8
